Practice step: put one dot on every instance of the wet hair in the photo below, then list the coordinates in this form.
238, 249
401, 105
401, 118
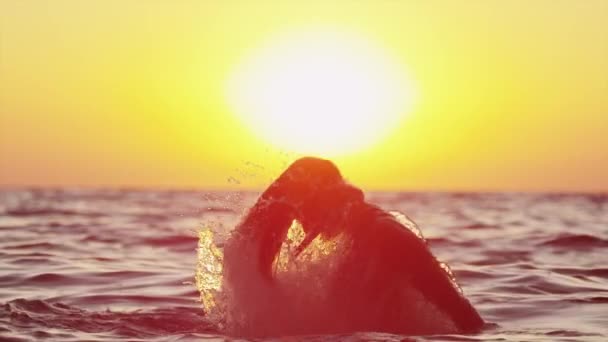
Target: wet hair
303, 179
270, 218
330, 201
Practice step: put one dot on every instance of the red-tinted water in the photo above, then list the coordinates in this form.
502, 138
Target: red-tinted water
108, 265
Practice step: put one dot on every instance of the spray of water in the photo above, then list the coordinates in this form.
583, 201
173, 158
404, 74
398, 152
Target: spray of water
316, 291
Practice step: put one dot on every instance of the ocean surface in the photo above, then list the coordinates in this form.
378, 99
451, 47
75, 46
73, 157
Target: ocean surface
109, 265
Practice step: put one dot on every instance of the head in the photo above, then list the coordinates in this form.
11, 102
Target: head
327, 211
316, 193
302, 180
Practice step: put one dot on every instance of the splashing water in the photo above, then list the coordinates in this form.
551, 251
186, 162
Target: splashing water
236, 297
307, 287
208, 275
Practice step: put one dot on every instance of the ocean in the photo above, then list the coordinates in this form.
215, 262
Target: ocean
110, 265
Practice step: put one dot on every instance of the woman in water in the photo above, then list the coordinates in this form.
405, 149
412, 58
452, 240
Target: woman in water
382, 256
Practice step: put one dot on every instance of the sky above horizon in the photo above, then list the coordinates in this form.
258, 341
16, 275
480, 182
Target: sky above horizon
510, 95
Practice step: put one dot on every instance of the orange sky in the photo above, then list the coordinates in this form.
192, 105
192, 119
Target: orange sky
512, 94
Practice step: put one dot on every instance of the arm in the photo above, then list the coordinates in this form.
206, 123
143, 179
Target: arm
267, 224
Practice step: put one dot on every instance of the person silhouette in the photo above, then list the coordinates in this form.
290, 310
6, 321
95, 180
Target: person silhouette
313, 192
269, 219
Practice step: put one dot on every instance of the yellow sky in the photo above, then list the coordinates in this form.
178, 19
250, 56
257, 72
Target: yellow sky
512, 94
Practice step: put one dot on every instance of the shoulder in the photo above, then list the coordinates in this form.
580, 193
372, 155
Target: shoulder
381, 228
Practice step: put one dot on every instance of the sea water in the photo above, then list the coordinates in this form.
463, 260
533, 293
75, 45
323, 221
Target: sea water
107, 265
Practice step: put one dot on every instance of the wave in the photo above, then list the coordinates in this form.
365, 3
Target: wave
479, 226
590, 300
576, 241
51, 211
600, 272
24, 314
172, 240
35, 246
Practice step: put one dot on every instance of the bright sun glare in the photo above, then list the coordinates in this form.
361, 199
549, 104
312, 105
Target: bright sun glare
320, 92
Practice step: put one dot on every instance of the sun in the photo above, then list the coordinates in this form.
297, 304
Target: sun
320, 92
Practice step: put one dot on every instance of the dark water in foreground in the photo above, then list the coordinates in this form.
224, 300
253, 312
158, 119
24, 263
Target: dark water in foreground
109, 265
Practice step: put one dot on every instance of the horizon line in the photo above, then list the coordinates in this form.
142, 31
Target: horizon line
143, 188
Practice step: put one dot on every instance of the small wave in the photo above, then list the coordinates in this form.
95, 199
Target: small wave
172, 240
539, 283
478, 226
582, 272
152, 217
598, 198
578, 241
503, 257
472, 275
590, 300
76, 279
132, 300
51, 211
158, 322
51, 279
34, 246
41, 255
102, 239
122, 275
569, 333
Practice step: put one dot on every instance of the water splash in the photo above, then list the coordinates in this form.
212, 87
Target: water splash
240, 301
208, 275
309, 291
407, 223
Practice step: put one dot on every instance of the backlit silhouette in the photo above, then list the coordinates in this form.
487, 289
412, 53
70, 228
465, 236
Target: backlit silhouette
387, 279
